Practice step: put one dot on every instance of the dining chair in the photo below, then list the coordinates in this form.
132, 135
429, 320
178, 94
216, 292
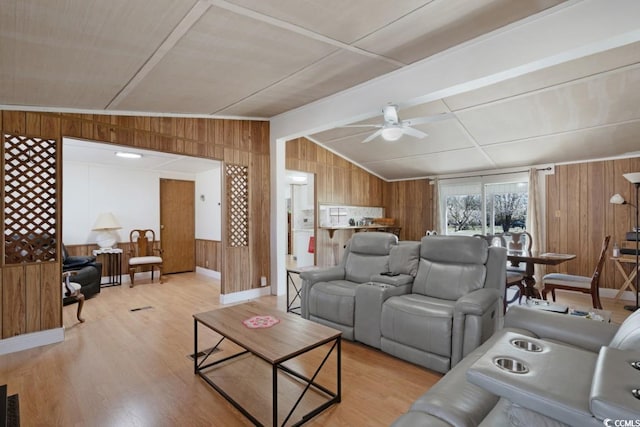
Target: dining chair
72, 290
144, 253
570, 282
514, 278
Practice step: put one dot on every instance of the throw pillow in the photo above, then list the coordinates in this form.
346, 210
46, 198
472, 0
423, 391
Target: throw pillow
403, 258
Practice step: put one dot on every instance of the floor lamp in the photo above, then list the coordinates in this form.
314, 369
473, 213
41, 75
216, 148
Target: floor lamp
633, 178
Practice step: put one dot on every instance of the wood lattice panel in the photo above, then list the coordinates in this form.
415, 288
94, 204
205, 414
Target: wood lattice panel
29, 199
238, 205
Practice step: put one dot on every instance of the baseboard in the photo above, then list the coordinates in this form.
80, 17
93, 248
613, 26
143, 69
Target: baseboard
31, 340
244, 295
611, 293
209, 273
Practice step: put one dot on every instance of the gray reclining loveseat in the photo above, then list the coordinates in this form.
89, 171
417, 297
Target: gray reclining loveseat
451, 307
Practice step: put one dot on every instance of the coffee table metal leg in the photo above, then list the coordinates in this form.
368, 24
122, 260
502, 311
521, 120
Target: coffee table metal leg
274, 373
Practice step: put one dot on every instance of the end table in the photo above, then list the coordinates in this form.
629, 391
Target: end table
113, 264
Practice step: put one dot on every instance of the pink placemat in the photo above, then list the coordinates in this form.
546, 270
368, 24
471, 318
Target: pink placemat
260, 322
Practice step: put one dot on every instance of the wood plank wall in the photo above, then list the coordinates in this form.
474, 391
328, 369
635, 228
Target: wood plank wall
579, 214
209, 254
337, 181
410, 202
231, 141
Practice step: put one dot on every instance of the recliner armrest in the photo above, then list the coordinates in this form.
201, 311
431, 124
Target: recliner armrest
399, 280
587, 334
76, 262
477, 302
323, 275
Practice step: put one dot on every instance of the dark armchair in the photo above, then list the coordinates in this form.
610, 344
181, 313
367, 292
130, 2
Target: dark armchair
89, 273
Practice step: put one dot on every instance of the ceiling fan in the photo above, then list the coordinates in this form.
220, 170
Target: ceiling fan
393, 128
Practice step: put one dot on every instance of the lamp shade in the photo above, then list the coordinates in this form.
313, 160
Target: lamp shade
617, 199
106, 221
633, 177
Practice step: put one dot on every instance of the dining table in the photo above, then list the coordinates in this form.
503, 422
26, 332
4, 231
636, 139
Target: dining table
530, 259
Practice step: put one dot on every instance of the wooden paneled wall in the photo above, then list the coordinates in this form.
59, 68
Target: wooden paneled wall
579, 214
337, 182
232, 141
209, 254
410, 202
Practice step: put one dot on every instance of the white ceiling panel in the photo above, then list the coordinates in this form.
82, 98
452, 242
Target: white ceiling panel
78, 52
547, 77
95, 153
455, 161
607, 98
325, 77
586, 144
335, 18
224, 58
444, 24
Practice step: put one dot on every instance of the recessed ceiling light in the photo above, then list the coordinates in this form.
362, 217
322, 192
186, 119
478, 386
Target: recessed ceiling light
128, 155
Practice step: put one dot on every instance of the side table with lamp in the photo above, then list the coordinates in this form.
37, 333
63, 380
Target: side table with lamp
105, 224
617, 199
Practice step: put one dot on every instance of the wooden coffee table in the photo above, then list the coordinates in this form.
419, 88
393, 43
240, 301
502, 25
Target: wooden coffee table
277, 347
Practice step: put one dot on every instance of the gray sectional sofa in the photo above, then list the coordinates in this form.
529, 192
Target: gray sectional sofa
581, 374
442, 300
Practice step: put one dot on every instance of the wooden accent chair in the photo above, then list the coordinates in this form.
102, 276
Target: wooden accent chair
569, 282
514, 278
72, 290
144, 253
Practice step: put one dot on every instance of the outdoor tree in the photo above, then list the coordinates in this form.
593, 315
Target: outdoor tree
463, 211
509, 207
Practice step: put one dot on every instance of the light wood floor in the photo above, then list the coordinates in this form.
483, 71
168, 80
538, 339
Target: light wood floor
124, 368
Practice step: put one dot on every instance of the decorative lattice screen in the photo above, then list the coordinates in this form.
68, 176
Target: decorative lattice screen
29, 199
237, 205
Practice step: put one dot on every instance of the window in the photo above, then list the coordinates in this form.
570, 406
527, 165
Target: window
493, 204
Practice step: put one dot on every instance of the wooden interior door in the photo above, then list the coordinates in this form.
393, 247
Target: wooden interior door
177, 225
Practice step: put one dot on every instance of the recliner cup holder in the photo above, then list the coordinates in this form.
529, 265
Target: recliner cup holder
526, 345
511, 365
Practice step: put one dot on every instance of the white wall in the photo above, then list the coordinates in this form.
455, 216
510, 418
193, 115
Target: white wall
209, 210
133, 196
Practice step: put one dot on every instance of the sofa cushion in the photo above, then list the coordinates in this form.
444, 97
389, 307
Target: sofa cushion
447, 280
628, 335
359, 268
420, 322
508, 414
403, 258
334, 301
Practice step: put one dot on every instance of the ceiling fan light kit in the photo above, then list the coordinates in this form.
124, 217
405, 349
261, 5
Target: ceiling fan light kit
392, 133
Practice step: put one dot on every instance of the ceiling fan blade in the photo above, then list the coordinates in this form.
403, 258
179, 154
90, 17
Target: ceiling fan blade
390, 113
414, 132
428, 119
372, 136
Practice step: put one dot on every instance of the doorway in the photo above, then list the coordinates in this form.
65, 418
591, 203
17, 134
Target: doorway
301, 221
177, 225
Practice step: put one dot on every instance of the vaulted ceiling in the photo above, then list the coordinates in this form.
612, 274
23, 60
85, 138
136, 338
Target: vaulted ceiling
259, 59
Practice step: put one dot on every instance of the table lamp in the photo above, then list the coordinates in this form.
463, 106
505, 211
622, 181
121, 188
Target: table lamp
104, 225
617, 199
